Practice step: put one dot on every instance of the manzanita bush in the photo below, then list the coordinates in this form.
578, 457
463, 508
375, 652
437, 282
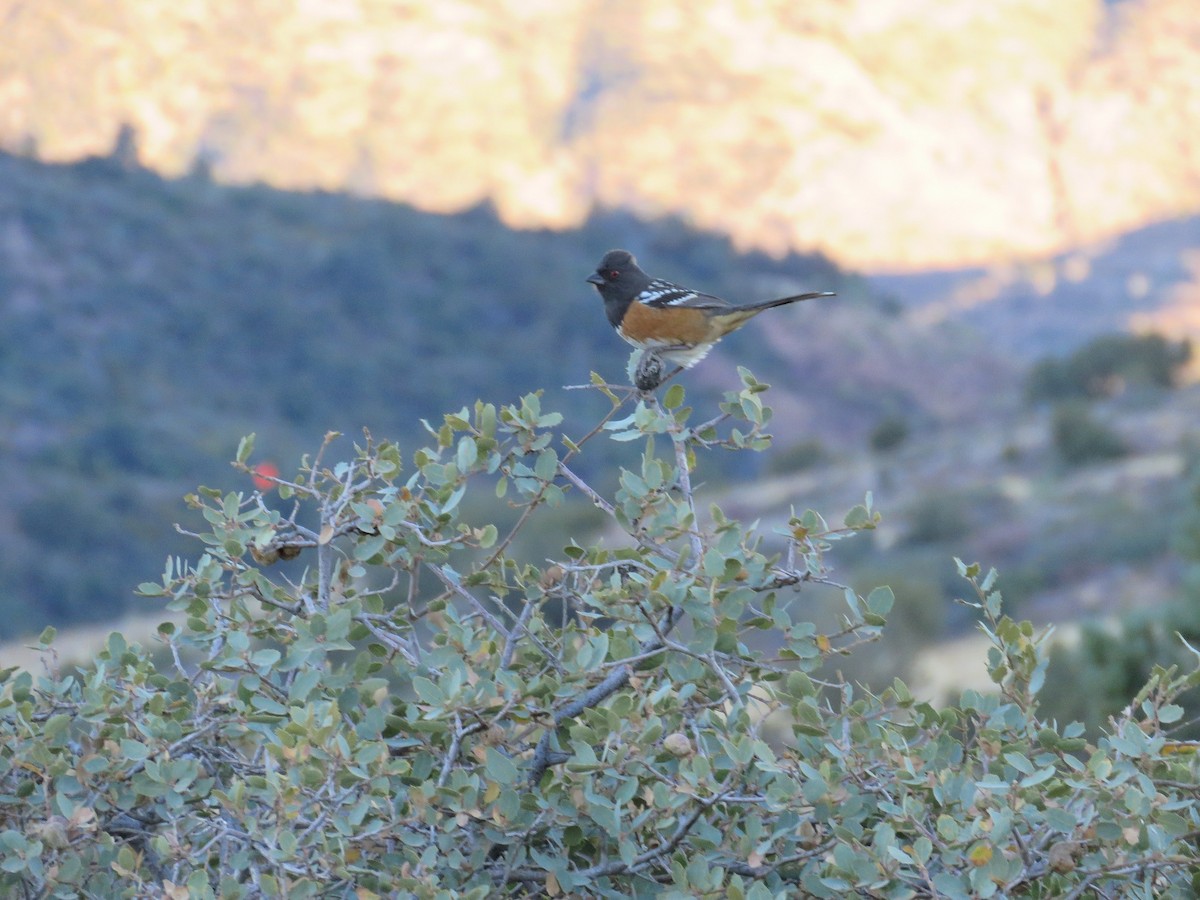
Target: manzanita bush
406, 709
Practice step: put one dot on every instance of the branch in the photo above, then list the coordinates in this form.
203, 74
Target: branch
573, 447
542, 756
455, 588
686, 825
398, 644
730, 690
452, 753
509, 634
612, 683
510, 644
584, 487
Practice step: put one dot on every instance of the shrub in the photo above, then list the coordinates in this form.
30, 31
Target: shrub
1079, 438
1103, 366
939, 515
798, 457
889, 434
402, 717
1116, 660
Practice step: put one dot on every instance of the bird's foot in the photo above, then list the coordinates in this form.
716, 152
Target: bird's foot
652, 371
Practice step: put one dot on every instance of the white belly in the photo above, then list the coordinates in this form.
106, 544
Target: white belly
675, 354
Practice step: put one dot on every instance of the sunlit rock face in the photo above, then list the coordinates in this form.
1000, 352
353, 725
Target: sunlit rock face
889, 133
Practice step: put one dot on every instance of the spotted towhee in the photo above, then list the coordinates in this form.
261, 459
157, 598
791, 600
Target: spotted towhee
671, 323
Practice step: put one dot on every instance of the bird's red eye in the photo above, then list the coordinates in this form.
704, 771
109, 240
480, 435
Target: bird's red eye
613, 274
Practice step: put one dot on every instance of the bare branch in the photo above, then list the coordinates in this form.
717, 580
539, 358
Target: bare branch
510, 644
452, 753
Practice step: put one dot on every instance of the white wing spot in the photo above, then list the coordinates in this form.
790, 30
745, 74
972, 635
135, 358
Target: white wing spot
663, 293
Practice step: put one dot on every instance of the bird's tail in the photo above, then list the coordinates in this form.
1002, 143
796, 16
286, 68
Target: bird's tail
732, 319
784, 301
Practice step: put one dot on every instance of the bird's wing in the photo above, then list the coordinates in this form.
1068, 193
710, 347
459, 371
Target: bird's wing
663, 293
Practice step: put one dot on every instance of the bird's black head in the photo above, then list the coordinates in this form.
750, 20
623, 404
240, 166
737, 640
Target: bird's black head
618, 278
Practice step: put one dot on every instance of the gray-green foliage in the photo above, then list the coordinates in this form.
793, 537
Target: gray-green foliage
1104, 365
412, 712
1080, 438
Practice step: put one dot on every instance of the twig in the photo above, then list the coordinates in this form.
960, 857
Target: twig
510, 644
681, 831
452, 753
401, 646
509, 634
455, 588
734, 697
679, 440
586, 489
540, 495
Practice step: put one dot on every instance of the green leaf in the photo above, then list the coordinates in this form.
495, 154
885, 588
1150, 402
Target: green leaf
245, 448
1038, 777
134, 751
55, 729
1170, 713
747, 377
198, 885
428, 692
268, 705
606, 817
1019, 762
265, 658
486, 417
859, 518
900, 856
454, 500
593, 652
499, 767
467, 453
633, 484
799, 685
988, 580
487, 537
674, 397
546, 466
880, 600
625, 436
1061, 820
948, 827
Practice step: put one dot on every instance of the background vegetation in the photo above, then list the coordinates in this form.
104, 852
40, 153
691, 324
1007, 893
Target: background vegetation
148, 323
145, 324
423, 711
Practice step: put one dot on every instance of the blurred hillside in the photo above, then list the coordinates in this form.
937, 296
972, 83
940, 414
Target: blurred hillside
887, 133
1145, 280
146, 324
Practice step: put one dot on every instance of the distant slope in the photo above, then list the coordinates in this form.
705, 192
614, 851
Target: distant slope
1071, 545
1147, 280
886, 133
146, 324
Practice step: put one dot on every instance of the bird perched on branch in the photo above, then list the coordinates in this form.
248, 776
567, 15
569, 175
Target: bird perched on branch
670, 323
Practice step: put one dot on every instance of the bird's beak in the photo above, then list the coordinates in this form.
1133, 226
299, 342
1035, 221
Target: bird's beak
595, 278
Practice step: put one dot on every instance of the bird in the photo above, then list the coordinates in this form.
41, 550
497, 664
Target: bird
672, 323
